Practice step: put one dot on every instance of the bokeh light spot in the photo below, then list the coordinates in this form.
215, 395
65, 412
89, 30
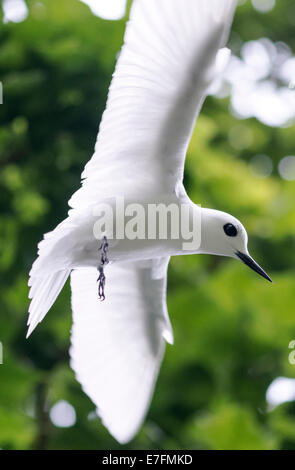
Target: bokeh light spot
14, 10
263, 5
281, 390
63, 415
261, 166
107, 9
287, 168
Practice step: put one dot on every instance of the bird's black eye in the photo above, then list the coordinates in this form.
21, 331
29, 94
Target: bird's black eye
230, 230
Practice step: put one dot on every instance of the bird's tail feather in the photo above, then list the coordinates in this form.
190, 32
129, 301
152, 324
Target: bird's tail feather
50, 271
43, 292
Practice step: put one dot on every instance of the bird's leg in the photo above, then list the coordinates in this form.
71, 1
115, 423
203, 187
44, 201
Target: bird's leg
103, 261
101, 283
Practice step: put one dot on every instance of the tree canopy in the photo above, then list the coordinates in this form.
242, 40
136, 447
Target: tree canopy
232, 329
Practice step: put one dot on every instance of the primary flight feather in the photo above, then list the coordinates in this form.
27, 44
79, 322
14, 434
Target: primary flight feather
171, 54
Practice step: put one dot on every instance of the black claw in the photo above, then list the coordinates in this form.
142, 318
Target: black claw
103, 261
101, 285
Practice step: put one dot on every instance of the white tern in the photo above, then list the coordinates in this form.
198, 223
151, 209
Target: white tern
173, 51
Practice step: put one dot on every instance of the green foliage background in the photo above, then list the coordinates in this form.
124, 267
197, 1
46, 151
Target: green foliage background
232, 329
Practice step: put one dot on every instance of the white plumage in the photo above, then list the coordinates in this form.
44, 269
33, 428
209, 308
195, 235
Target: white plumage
118, 345
166, 65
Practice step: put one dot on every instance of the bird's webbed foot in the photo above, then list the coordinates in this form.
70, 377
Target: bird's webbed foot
103, 261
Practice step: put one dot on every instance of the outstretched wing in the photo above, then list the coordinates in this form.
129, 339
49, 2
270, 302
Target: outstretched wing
163, 73
118, 345
161, 78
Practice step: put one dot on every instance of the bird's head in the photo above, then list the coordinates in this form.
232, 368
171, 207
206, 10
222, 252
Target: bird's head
224, 235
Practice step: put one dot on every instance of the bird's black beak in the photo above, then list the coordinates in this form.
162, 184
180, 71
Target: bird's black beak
246, 259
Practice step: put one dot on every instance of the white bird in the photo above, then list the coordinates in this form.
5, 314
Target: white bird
172, 53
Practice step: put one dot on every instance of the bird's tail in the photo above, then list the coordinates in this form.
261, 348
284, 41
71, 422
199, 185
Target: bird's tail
48, 274
44, 291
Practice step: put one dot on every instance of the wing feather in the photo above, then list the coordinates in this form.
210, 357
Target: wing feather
118, 345
163, 73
